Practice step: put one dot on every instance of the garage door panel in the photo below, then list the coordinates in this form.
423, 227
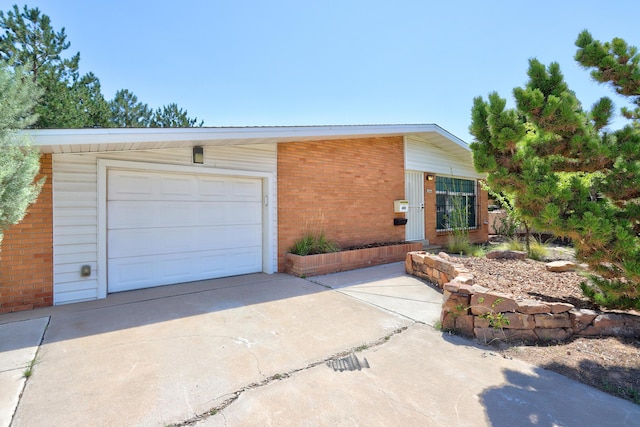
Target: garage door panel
246, 190
245, 236
125, 274
246, 261
212, 188
129, 186
243, 213
214, 213
136, 214
176, 267
238, 261
180, 228
128, 243
229, 237
148, 271
177, 187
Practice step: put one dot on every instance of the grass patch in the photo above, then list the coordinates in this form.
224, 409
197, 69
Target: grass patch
537, 250
361, 348
28, 371
458, 244
461, 245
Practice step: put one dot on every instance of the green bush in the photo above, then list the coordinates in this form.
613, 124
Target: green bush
610, 293
312, 243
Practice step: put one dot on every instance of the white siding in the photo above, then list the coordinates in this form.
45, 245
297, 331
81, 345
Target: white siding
422, 155
75, 205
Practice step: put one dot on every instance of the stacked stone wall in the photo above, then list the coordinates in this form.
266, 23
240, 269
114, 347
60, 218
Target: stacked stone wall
475, 311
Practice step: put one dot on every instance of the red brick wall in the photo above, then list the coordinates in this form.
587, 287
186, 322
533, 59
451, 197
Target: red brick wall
481, 234
26, 253
344, 188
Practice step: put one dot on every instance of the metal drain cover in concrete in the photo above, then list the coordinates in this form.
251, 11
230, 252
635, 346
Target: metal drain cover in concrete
349, 363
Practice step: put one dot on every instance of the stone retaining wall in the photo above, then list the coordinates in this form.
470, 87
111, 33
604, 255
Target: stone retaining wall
474, 311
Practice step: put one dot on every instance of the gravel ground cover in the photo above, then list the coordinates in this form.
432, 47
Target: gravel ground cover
610, 364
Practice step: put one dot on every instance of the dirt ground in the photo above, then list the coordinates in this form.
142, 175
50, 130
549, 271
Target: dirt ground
610, 364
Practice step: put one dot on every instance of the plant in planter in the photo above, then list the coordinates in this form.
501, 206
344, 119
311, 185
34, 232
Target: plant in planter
312, 243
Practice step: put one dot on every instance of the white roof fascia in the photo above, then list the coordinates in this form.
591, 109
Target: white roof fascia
105, 139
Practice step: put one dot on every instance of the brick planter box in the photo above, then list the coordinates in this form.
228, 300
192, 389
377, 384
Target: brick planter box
315, 265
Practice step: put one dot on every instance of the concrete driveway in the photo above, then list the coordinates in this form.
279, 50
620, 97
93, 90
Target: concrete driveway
353, 348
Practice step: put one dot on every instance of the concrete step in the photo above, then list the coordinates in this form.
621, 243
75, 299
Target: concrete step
432, 248
428, 247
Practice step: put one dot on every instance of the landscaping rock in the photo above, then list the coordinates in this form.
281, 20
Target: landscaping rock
494, 302
506, 255
530, 306
632, 326
448, 320
466, 278
490, 334
520, 321
466, 289
581, 319
408, 264
553, 320
608, 324
455, 303
560, 266
464, 325
481, 322
478, 288
561, 307
451, 287
473, 309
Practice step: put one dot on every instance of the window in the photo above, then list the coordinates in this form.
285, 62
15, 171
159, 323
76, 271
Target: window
455, 203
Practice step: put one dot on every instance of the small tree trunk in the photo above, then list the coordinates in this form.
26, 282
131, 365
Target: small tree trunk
527, 234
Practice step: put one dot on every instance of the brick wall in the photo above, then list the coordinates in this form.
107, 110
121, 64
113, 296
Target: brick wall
26, 253
481, 234
344, 188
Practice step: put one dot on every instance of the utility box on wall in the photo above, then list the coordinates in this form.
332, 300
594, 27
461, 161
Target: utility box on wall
400, 206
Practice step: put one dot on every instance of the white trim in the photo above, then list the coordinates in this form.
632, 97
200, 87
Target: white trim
103, 165
125, 139
268, 180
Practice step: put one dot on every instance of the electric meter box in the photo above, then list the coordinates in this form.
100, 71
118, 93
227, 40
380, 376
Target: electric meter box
400, 206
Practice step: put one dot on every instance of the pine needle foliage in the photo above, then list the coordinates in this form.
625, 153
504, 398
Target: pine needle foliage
19, 161
566, 172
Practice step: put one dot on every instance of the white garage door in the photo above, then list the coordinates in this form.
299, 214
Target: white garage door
165, 228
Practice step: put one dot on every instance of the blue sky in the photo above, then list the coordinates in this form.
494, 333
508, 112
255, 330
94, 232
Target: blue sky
258, 63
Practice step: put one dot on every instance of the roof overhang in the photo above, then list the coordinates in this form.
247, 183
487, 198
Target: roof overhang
59, 141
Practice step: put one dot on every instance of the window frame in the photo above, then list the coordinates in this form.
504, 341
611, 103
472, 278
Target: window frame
472, 207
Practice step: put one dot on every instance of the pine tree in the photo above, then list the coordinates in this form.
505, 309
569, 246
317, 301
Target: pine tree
71, 100
126, 111
566, 173
171, 116
19, 161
